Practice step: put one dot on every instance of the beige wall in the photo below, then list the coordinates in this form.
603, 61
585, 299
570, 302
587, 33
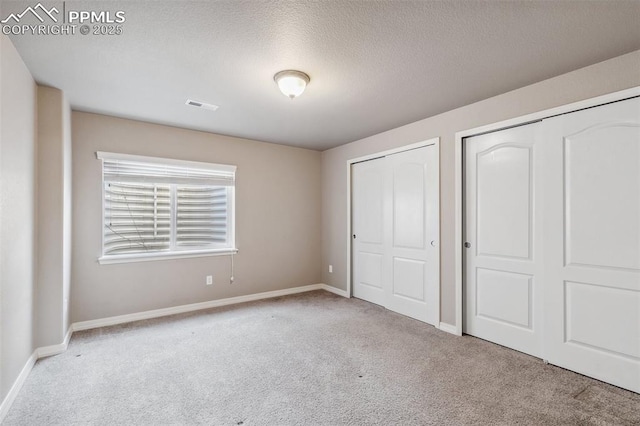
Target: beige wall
606, 77
54, 245
17, 214
277, 220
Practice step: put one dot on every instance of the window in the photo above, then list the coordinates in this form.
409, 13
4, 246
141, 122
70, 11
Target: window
157, 208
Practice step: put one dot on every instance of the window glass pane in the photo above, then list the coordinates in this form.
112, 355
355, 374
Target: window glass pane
201, 216
137, 218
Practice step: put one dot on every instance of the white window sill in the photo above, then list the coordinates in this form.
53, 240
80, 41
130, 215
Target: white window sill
129, 258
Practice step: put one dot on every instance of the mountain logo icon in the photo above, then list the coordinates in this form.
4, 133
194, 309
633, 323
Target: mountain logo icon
39, 11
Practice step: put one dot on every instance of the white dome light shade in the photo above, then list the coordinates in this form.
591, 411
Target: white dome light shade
291, 83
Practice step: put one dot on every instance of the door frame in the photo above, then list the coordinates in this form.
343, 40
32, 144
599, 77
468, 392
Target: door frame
428, 142
459, 173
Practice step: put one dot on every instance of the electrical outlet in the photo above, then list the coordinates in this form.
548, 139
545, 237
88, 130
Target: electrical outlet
209, 279
331, 269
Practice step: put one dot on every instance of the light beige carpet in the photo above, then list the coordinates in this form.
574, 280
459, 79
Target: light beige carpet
309, 359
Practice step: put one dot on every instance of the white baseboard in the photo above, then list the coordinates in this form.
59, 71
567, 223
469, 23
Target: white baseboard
17, 385
156, 313
46, 351
448, 328
334, 290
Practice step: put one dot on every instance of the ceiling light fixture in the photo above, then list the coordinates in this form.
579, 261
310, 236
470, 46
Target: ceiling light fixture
291, 82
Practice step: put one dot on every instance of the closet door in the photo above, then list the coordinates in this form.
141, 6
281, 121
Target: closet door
368, 200
592, 242
503, 269
413, 233
395, 241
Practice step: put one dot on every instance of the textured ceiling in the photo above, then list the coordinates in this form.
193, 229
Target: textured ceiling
373, 65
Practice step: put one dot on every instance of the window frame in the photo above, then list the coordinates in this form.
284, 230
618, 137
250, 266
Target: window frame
174, 252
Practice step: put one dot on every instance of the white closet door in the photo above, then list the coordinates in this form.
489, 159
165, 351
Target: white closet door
413, 233
592, 242
395, 226
503, 234
368, 204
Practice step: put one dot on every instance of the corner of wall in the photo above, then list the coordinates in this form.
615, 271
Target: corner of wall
54, 220
67, 207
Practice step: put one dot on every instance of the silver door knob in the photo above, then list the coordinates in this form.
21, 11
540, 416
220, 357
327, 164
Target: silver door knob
433, 243
467, 244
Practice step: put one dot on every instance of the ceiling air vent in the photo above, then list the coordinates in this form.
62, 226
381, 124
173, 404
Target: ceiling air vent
204, 105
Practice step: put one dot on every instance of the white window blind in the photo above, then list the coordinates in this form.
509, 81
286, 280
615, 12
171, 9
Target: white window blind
201, 215
137, 218
121, 169
162, 206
